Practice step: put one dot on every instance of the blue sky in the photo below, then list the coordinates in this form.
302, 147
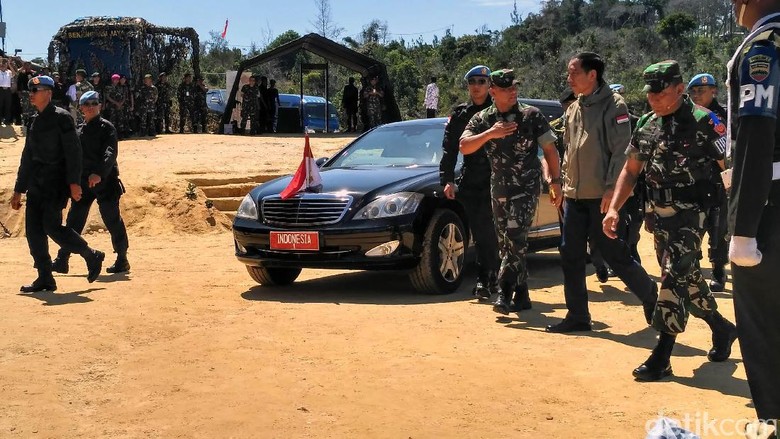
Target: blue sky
30, 28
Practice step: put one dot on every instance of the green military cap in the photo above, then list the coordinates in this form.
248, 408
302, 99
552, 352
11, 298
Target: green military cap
503, 78
148, 75
660, 75
81, 72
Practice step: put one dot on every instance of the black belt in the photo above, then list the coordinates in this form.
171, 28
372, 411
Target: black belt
5, 88
665, 197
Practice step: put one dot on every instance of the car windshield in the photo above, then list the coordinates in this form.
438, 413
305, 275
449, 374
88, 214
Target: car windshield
316, 110
394, 145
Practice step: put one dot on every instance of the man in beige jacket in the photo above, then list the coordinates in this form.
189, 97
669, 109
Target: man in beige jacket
597, 130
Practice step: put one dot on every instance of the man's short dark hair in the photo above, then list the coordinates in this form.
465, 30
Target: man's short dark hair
433, 79
592, 61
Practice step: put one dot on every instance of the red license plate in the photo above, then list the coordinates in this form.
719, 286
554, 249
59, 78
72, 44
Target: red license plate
295, 241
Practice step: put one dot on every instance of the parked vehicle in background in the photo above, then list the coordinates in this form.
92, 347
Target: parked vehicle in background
216, 100
314, 112
551, 109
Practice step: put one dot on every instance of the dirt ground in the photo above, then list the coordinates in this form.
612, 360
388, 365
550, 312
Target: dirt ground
187, 345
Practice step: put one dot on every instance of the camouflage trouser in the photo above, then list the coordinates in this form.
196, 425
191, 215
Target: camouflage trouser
249, 111
147, 123
186, 112
374, 113
513, 216
78, 118
163, 117
683, 288
27, 108
118, 118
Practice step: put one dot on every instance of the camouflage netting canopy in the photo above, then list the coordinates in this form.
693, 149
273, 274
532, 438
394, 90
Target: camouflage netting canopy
125, 45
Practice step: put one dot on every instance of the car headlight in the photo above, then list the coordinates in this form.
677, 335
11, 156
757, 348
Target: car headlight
248, 208
400, 203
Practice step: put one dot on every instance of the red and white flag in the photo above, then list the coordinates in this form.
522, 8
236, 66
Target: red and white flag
307, 176
224, 31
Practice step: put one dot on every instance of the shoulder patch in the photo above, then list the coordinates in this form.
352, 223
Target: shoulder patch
759, 67
717, 124
622, 118
759, 81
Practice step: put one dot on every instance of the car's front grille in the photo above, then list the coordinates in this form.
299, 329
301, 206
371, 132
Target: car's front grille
305, 209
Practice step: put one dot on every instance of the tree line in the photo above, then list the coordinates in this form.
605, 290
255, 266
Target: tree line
628, 34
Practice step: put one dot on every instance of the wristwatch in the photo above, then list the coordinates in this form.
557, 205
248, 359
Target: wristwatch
556, 180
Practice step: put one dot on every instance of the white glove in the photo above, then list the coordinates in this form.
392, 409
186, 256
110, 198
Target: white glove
744, 252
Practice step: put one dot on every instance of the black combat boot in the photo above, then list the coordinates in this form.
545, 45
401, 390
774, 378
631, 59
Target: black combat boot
504, 299
658, 365
718, 280
602, 273
94, 259
60, 264
44, 282
522, 299
482, 290
122, 265
724, 333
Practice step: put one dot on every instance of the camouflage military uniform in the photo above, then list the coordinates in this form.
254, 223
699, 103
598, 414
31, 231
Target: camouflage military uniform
249, 110
200, 115
81, 88
163, 107
680, 150
515, 183
117, 114
147, 107
186, 103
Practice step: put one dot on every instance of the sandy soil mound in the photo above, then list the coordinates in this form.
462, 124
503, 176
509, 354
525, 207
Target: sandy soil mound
156, 173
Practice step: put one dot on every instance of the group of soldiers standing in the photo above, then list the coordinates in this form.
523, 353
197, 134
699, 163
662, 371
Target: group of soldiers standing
679, 150
145, 111
260, 105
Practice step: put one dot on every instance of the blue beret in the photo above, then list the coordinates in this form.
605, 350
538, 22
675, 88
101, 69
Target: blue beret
37, 81
477, 71
702, 79
617, 88
89, 96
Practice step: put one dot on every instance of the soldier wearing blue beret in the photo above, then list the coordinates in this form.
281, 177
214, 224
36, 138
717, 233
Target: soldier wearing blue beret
50, 172
704, 91
99, 181
473, 185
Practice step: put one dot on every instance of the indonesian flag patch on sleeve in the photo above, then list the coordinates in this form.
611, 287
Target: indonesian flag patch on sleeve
623, 118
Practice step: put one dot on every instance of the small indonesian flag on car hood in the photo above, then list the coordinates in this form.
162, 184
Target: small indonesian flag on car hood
623, 118
306, 177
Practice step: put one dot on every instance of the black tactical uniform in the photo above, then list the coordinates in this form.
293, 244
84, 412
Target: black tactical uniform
51, 161
754, 209
99, 146
717, 219
473, 193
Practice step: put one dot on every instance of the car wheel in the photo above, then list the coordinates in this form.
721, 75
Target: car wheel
440, 270
273, 275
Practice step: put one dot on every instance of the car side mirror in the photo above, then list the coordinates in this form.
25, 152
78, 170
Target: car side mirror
321, 161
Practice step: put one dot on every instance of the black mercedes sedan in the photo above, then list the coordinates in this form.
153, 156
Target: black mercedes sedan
380, 207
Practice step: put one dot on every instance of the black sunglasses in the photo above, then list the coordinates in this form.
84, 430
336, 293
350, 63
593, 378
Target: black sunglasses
90, 104
37, 89
480, 81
